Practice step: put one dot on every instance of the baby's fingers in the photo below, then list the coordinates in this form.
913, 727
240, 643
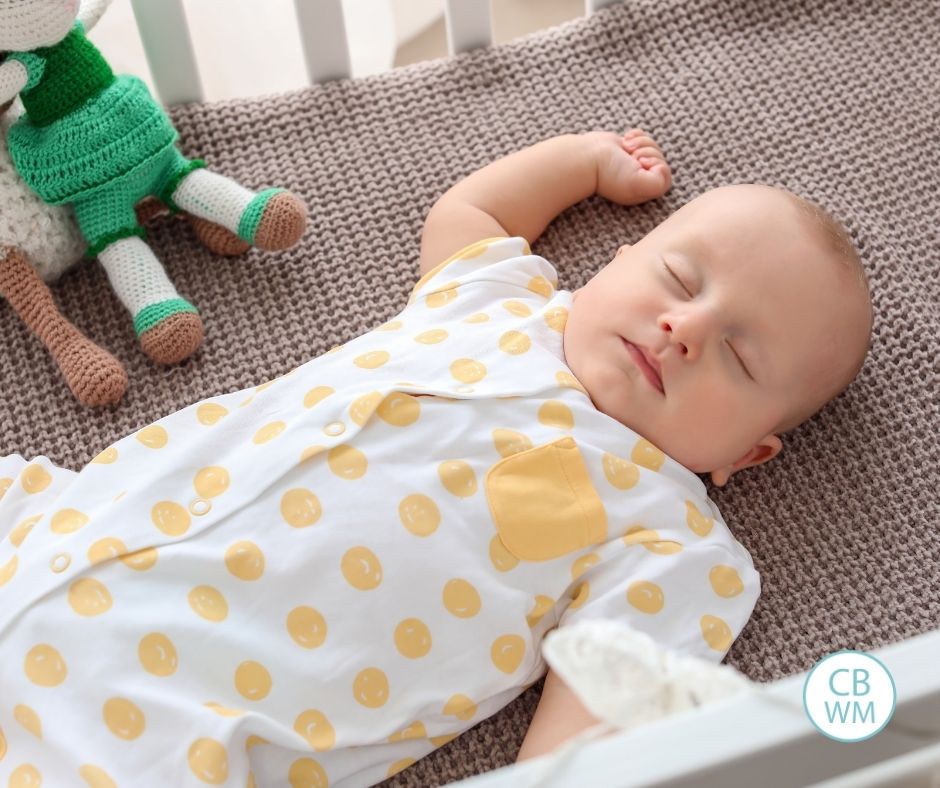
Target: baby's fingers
647, 153
633, 143
657, 169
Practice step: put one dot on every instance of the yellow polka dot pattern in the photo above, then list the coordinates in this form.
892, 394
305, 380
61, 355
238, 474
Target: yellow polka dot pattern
211, 413
157, 654
316, 729
468, 370
307, 627
89, 597
44, 666
347, 462
8, 570
300, 507
35, 479
514, 342
361, 568
208, 761
419, 514
363, 407
245, 560
399, 410
269, 432
413, 638
370, 688
96, 777
252, 680
28, 718
208, 603
431, 337
18, 534
458, 478
461, 598
171, 518
124, 718
154, 436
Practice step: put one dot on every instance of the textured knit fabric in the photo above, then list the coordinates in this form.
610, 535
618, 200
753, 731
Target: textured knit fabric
815, 96
357, 561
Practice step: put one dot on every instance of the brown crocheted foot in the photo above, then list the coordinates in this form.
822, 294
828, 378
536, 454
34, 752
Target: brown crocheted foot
213, 236
282, 223
173, 339
148, 209
216, 238
95, 377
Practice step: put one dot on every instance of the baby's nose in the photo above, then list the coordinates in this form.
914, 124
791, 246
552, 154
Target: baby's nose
684, 336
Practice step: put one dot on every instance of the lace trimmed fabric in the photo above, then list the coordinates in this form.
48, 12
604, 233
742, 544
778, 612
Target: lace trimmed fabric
624, 678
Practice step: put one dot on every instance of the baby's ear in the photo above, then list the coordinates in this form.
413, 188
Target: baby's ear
765, 450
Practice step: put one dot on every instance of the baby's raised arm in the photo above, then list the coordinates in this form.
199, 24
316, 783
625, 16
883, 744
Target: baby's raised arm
521, 193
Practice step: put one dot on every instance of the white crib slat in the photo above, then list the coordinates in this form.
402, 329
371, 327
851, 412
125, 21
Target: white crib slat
468, 25
169, 50
323, 35
590, 6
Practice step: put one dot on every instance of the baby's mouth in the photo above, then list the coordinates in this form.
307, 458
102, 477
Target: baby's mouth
639, 358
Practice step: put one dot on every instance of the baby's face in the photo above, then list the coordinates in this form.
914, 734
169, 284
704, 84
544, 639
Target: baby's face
739, 310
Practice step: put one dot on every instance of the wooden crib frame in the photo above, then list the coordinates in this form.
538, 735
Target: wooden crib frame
742, 742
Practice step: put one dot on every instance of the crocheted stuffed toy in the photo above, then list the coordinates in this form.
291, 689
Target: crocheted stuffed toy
40, 242
102, 144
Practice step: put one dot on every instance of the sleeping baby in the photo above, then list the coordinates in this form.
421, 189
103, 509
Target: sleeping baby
320, 580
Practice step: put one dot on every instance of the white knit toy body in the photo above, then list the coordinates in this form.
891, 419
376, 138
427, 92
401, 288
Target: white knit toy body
47, 234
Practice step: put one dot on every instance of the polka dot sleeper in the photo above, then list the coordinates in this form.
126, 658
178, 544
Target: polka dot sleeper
320, 580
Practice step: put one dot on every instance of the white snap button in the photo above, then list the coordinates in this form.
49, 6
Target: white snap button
463, 389
60, 562
199, 506
335, 428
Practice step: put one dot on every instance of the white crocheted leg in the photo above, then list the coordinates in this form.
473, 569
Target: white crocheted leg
273, 219
168, 326
214, 197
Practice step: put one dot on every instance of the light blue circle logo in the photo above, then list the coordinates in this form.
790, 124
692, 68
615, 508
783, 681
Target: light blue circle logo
849, 696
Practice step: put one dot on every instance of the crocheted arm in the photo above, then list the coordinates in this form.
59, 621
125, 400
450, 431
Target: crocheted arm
13, 78
91, 11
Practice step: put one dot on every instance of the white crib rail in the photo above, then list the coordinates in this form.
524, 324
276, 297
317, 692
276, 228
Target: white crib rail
169, 50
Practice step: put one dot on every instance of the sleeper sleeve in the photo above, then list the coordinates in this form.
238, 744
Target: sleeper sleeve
694, 601
490, 272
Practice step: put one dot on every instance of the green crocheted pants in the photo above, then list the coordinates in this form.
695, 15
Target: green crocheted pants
107, 214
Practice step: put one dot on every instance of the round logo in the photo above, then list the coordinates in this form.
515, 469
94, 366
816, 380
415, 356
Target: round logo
849, 696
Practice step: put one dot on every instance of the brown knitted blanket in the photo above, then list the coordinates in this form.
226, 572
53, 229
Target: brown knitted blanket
837, 101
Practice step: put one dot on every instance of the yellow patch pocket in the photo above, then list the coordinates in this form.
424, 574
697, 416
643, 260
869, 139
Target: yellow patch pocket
543, 502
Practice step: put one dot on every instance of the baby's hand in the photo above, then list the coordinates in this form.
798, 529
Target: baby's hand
630, 168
